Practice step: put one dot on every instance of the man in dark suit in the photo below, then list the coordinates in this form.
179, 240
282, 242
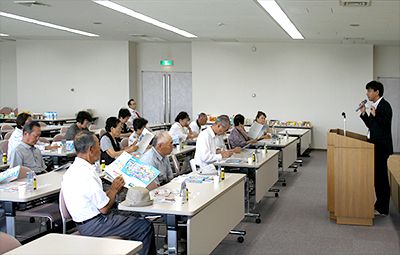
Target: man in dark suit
379, 123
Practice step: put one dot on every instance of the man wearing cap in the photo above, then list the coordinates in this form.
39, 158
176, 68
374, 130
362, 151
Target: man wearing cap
91, 207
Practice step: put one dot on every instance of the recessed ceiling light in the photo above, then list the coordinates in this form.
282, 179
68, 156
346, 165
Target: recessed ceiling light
97, 23
3, 34
42, 23
354, 25
281, 18
134, 14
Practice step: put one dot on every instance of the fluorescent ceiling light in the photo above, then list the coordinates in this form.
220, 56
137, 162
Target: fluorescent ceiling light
3, 34
41, 23
129, 12
280, 17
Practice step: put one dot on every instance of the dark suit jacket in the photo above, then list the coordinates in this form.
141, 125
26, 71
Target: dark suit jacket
380, 127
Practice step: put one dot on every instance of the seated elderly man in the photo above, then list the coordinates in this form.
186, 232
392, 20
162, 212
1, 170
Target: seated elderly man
26, 154
196, 125
157, 156
91, 207
207, 151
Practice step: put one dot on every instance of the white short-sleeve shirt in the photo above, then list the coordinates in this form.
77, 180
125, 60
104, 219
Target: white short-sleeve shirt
177, 131
83, 191
206, 148
195, 127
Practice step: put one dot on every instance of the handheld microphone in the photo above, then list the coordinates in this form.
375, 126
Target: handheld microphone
361, 105
344, 123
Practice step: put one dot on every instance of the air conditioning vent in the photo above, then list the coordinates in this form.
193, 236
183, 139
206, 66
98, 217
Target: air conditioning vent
30, 3
355, 3
224, 40
147, 38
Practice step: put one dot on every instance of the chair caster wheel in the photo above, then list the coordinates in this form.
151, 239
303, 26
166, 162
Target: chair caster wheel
276, 194
258, 220
284, 184
295, 170
32, 220
240, 239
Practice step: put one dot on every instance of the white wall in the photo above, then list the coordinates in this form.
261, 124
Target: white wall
313, 82
8, 74
386, 61
98, 71
149, 56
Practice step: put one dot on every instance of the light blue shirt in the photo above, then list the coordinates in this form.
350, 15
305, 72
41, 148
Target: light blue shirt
28, 156
162, 164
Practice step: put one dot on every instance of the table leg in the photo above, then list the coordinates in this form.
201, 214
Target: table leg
247, 200
9, 208
172, 233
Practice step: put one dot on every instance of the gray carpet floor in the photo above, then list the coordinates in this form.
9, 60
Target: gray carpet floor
297, 222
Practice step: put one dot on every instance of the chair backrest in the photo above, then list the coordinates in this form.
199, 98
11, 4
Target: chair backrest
102, 132
175, 163
42, 124
8, 135
4, 146
65, 216
6, 110
6, 128
44, 140
58, 138
124, 143
8, 243
63, 130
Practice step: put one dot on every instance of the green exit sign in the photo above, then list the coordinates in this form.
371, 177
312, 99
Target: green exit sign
167, 62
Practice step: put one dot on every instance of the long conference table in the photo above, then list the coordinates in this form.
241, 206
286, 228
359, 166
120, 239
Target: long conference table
59, 244
204, 209
261, 175
48, 186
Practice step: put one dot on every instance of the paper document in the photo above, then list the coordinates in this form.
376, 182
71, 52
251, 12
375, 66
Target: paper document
134, 172
9, 175
144, 140
257, 130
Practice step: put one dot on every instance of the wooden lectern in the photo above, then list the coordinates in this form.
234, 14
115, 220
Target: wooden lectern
350, 163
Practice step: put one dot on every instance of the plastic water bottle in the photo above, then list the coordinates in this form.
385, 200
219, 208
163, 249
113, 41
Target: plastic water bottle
222, 174
184, 193
97, 165
29, 178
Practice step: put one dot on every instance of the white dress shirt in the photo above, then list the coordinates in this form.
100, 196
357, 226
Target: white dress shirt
194, 127
134, 115
177, 131
376, 107
83, 191
206, 148
376, 103
14, 141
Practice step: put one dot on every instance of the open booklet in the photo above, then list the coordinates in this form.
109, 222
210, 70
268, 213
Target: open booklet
257, 130
144, 140
134, 172
10, 174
